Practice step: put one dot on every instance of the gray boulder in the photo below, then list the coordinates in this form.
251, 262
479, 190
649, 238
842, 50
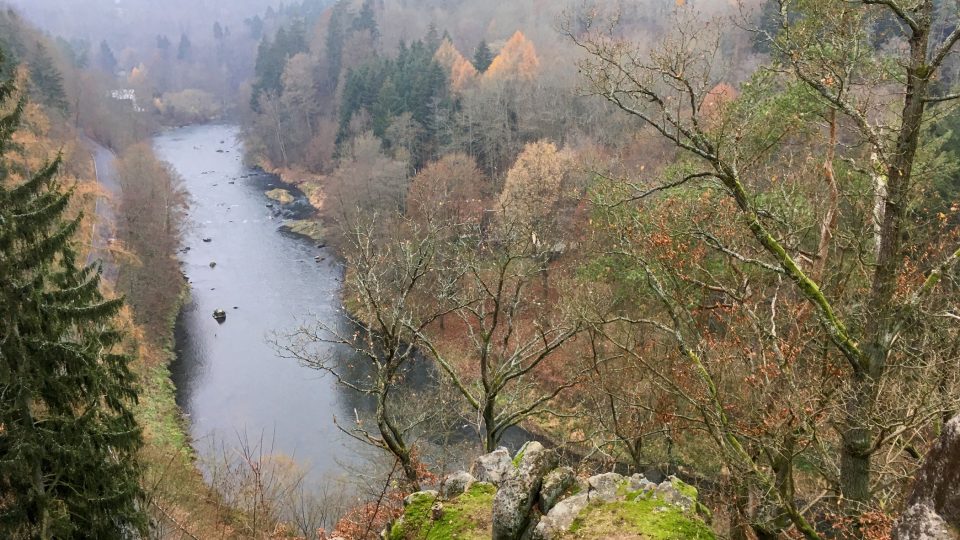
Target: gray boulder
517, 495
560, 517
669, 492
933, 510
638, 482
456, 483
493, 467
555, 484
604, 486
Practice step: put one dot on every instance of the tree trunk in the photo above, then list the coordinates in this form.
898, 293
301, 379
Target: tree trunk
393, 438
857, 431
491, 434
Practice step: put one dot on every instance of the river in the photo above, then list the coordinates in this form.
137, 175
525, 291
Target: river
230, 380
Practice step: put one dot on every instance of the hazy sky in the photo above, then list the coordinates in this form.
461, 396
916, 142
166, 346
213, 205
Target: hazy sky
133, 20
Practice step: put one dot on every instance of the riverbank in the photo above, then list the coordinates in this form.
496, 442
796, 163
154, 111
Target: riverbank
179, 501
551, 431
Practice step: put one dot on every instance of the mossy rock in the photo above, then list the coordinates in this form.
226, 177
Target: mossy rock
467, 517
687, 490
306, 227
646, 517
282, 196
684, 488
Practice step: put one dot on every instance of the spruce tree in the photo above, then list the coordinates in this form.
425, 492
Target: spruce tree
482, 57
47, 80
367, 20
68, 437
184, 49
107, 60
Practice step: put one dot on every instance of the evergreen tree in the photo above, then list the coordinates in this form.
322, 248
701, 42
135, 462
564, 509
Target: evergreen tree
107, 60
11, 40
293, 41
367, 20
272, 58
184, 48
77, 51
432, 39
254, 26
163, 45
482, 57
47, 80
68, 438
336, 36
388, 104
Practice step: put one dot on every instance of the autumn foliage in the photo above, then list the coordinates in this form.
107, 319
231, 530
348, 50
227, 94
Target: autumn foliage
532, 187
462, 72
452, 187
517, 60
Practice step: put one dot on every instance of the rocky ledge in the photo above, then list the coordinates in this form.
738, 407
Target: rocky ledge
528, 497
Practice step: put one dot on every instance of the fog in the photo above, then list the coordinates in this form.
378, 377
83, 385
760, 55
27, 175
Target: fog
128, 22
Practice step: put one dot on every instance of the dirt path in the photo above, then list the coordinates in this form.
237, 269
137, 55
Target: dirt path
105, 226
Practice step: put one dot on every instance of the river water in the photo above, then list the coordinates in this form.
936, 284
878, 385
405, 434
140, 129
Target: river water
230, 380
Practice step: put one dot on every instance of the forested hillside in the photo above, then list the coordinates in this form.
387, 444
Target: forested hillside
715, 239
90, 439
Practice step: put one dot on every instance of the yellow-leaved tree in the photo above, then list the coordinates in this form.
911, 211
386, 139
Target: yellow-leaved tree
532, 187
517, 60
460, 70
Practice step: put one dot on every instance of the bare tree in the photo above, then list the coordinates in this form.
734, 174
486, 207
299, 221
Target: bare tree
390, 271
859, 316
510, 328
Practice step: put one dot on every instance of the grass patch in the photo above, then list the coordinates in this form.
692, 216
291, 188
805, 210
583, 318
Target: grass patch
467, 517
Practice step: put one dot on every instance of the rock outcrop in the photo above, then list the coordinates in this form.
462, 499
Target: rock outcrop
520, 490
493, 467
456, 483
528, 497
555, 484
933, 511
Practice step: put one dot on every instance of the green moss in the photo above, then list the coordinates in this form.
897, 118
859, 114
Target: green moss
519, 457
467, 517
648, 517
684, 488
691, 492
